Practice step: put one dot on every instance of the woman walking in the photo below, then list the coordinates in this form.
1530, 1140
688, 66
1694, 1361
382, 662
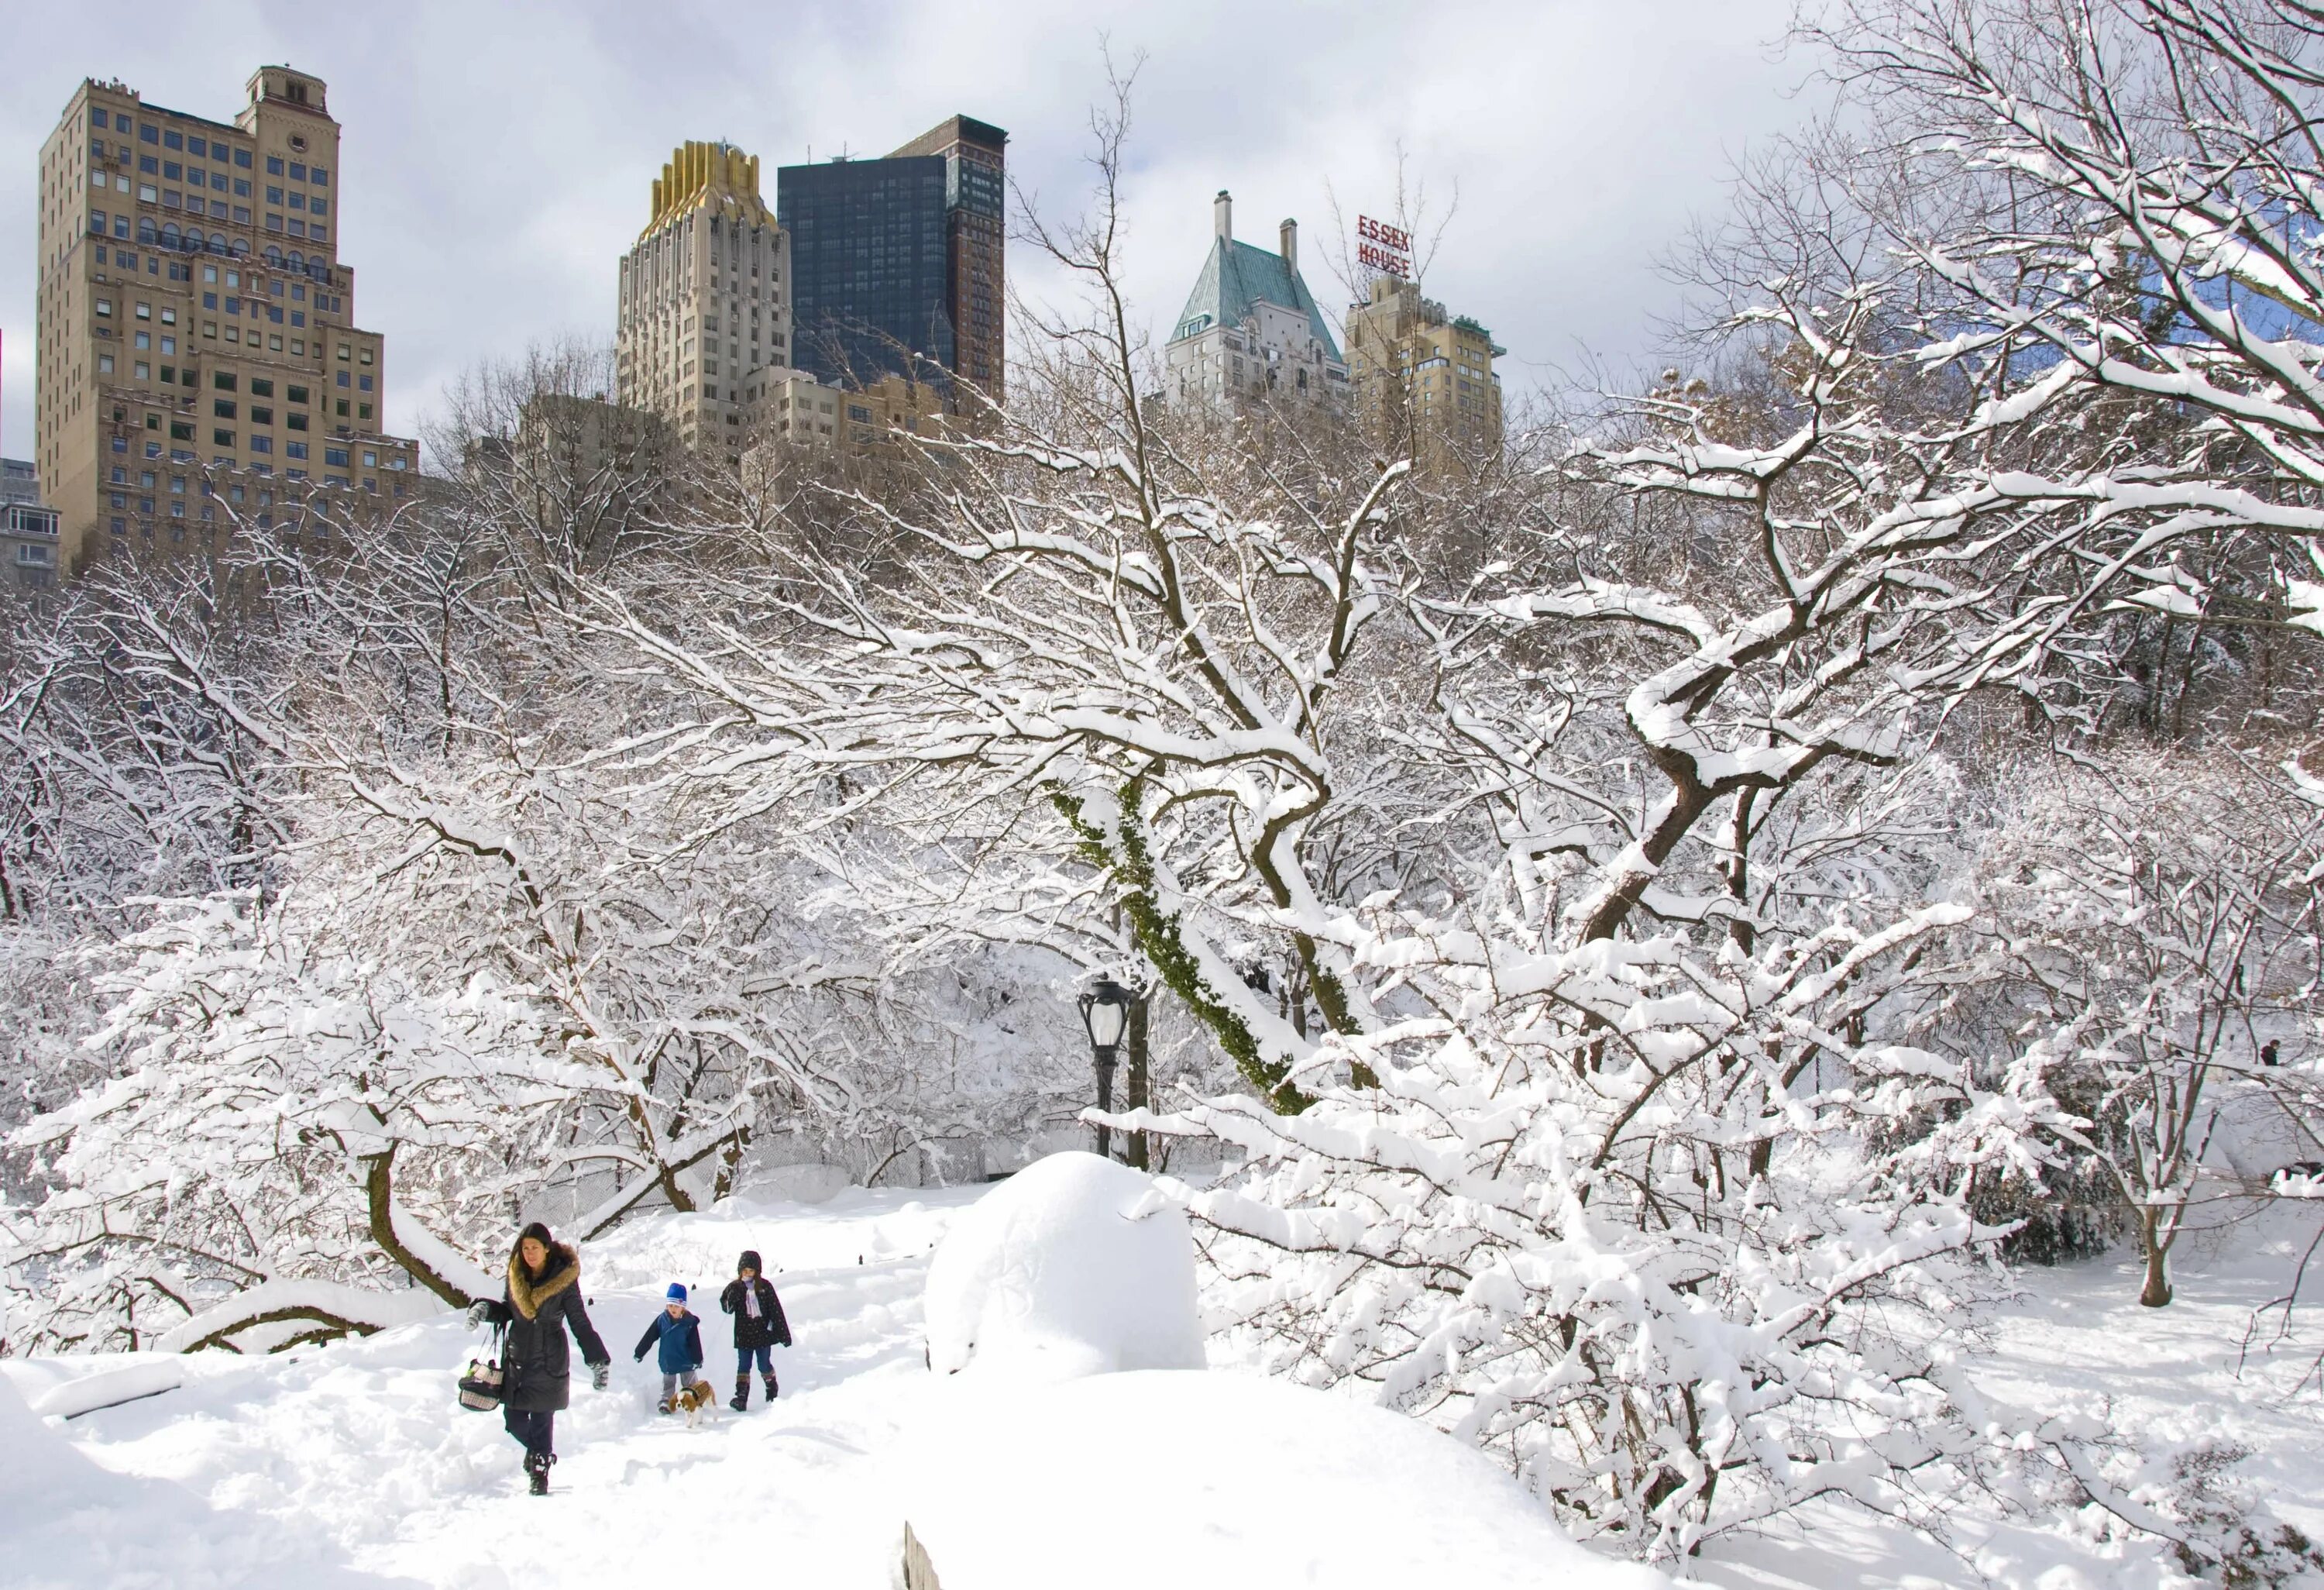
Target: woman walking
542, 1300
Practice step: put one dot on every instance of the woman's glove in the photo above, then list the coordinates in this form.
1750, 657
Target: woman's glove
600, 1375
479, 1312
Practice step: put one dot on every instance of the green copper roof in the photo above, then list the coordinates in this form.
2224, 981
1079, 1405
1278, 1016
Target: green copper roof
1235, 276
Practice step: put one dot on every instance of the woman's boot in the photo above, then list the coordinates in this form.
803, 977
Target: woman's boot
741, 1392
535, 1464
770, 1388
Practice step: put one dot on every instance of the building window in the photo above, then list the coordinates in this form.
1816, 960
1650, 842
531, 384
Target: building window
223, 408
242, 158
295, 449
262, 444
273, 165
222, 438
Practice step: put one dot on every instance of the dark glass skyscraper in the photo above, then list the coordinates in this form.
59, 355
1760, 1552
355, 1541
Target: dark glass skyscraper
899, 262
869, 279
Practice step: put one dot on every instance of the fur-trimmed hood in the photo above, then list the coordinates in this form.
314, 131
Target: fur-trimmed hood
526, 1293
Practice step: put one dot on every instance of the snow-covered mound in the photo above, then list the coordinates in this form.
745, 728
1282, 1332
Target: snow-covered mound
67, 1524
1073, 1266
1171, 1479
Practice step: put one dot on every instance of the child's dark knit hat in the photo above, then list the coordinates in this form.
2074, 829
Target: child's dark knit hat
751, 1261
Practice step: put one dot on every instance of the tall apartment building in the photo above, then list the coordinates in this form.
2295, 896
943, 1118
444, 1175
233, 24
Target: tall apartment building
900, 262
705, 297
200, 358
1424, 381
1250, 329
976, 204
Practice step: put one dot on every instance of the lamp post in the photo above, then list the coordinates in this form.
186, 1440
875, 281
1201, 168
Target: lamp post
1105, 1015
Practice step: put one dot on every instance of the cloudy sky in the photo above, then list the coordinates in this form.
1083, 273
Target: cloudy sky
496, 158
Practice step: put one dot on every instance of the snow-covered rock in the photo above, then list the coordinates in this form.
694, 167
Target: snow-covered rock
1073, 1266
1171, 1479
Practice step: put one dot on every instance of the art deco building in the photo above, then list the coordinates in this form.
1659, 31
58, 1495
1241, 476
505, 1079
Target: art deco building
705, 298
1423, 382
900, 262
200, 359
1250, 329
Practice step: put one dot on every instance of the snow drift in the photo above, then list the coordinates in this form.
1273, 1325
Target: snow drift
1074, 1266
70, 1525
1237, 1479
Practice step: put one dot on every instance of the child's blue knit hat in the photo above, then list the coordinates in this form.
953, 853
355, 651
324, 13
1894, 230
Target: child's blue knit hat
676, 1293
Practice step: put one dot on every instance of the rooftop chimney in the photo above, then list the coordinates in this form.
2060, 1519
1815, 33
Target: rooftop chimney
1291, 245
1222, 216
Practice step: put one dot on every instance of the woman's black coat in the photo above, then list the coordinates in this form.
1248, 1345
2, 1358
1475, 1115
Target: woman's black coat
537, 1310
769, 1328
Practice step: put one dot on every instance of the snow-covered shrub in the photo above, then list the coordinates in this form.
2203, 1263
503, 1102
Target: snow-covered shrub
289, 1142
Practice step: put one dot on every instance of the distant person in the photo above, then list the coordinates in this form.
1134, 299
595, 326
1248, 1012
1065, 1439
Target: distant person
542, 1301
677, 1336
758, 1325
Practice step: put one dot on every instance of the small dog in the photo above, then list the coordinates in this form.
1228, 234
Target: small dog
698, 1400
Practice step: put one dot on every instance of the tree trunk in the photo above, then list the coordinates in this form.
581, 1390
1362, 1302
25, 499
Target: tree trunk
379, 1188
2156, 1292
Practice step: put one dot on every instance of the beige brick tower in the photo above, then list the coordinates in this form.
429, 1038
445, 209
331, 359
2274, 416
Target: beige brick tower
1424, 381
200, 359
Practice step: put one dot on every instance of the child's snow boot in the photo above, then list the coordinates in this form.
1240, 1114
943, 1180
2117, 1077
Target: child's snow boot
741, 1393
668, 1405
535, 1464
770, 1388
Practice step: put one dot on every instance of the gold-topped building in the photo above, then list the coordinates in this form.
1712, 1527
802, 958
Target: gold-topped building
705, 297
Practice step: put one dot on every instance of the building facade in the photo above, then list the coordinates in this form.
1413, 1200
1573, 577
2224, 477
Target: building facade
976, 204
1424, 381
1250, 329
20, 481
200, 361
867, 245
900, 262
705, 297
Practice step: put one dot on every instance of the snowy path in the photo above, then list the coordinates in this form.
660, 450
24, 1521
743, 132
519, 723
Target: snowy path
349, 1469
357, 1451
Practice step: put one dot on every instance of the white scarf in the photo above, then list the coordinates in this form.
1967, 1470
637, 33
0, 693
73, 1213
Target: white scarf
751, 1298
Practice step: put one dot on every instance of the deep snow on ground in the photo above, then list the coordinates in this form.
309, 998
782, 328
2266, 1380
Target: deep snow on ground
349, 1466
357, 1450
2076, 1335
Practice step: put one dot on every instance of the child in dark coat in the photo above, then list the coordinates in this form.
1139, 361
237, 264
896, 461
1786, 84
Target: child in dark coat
679, 1334
758, 1325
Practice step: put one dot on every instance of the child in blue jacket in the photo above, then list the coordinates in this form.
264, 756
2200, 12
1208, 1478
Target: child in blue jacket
679, 1336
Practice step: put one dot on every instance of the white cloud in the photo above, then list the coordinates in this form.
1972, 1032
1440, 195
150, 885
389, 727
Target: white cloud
497, 159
